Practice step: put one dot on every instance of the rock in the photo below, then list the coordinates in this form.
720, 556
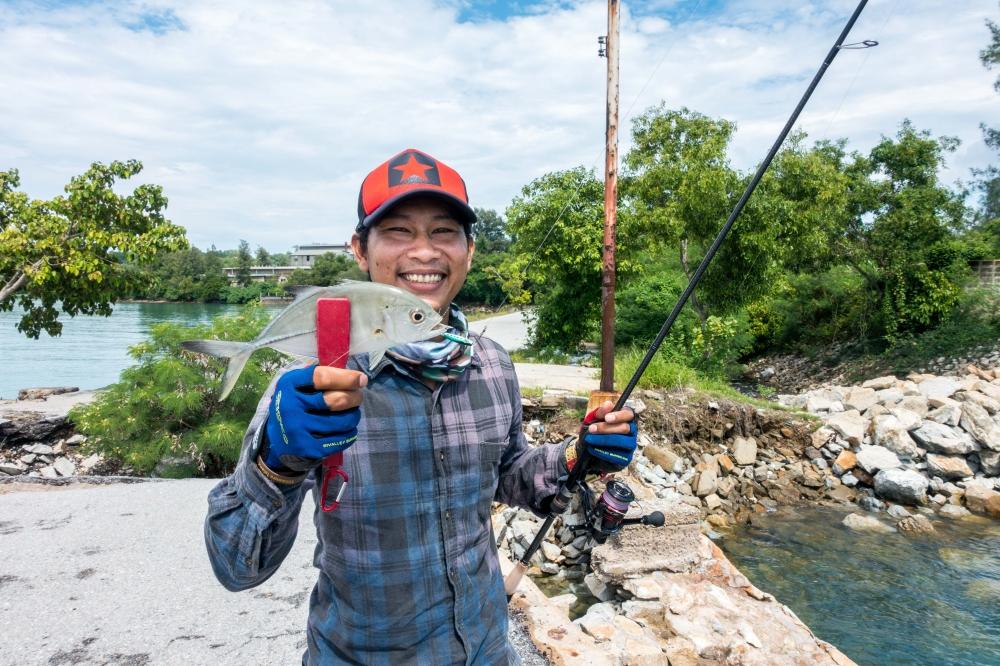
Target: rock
713, 502
941, 439
707, 481
850, 425
818, 403
908, 418
860, 399
880, 383
821, 436
862, 523
38, 449
64, 466
989, 404
897, 511
953, 511
948, 467
745, 450
978, 423
915, 404
946, 414
598, 588
939, 387
872, 459
43, 393
661, 456
890, 396
990, 462
12, 468
981, 498
644, 588
26, 427
890, 432
901, 485
76, 440
869, 503
48, 472
766, 373
918, 524
551, 552
89, 463
175, 467
849, 480
726, 465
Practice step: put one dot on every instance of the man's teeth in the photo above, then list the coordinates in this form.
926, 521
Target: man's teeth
417, 277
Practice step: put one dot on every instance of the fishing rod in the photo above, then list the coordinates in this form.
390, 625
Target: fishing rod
564, 494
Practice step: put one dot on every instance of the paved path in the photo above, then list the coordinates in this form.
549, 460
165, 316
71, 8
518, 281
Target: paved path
508, 330
118, 575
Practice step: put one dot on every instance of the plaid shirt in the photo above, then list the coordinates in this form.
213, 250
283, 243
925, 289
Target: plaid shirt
408, 569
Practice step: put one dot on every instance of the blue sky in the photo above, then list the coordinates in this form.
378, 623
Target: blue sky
260, 119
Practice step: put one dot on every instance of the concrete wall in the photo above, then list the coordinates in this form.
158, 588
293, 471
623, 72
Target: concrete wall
989, 272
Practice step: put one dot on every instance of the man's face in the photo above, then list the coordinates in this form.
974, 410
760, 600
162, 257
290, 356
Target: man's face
418, 246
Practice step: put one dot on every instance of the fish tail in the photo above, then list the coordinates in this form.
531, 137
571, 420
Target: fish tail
238, 354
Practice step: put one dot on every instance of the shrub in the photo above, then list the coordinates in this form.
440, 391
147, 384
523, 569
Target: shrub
166, 404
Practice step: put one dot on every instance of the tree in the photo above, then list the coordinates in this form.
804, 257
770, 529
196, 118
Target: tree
988, 179
490, 232
327, 269
556, 228
244, 260
77, 252
263, 258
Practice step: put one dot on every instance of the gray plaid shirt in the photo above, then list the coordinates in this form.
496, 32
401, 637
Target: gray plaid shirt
408, 569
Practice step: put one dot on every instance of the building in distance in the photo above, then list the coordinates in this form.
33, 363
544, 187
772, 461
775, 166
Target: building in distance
301, 257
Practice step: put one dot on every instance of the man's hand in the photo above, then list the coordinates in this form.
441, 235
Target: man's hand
608, 437
313, 414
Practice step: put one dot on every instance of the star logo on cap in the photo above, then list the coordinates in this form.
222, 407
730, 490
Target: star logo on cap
409, 168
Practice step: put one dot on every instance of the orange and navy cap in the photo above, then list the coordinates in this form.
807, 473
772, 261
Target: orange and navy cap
404, 175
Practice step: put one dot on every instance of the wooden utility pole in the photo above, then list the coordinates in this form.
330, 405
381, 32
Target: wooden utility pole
610, 206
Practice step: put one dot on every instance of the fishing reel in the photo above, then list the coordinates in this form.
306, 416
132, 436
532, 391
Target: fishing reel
607, 515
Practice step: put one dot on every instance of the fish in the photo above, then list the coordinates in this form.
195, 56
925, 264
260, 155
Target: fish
382, 316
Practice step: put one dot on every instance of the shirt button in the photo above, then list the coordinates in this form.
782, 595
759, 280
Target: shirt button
441, 456
276, 504
447, 514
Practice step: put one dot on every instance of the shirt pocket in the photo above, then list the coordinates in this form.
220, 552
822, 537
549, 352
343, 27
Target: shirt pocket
489, 475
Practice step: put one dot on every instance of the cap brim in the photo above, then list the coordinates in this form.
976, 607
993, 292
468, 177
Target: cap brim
465, 211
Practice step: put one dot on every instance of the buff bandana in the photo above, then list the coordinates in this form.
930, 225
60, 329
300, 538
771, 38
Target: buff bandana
438, 360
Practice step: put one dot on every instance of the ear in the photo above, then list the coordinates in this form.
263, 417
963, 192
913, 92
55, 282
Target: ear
359, 256
472, 250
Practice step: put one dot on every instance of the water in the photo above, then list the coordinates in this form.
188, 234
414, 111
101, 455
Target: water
884, 600
91, 350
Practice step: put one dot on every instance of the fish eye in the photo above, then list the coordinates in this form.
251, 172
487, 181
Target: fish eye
416, 316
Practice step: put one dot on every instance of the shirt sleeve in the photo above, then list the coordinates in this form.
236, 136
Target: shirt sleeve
252, 522
529, 476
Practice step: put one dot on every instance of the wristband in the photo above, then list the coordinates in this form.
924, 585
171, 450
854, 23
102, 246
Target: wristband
274, 476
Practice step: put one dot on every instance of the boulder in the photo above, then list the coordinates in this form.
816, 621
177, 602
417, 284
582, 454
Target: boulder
707, 482
845, 462
889, 431
661, 456
26, 427
953, 511
980, 497
941, 439
901, 485
989, 404
890, 396
948, 467
880, 383
860, 399
916, 404
43, 393
939, 387
908, 418
819, 403
873, 459
821, 437
988, 389
862, 523
948, 415
64, 466
990, 462
977, 422
850, 425
745, 450
918, 524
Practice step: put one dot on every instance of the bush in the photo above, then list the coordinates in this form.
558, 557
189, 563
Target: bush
167, 405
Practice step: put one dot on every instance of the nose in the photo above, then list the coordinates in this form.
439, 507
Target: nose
422, 248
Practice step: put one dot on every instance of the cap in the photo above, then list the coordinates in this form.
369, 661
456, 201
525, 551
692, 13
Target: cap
404, 175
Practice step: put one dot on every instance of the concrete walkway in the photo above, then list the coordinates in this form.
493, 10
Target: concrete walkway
508, 330
119, 575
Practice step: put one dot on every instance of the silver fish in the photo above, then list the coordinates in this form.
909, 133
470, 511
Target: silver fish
382, 316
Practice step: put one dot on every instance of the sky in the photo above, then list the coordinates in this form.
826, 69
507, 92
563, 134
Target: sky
260, 119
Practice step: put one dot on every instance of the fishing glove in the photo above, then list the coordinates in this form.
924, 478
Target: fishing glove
301, 429
606, 453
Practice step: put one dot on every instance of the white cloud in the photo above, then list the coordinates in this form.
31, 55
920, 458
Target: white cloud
261, 120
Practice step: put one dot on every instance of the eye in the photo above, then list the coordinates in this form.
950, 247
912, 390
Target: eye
416, 316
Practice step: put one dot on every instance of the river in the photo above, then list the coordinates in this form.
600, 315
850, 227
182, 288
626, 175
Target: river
91, 351
883, 599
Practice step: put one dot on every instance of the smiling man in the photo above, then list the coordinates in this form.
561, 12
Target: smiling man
408, 568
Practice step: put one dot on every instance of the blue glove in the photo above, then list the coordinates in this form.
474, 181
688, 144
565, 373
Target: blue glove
301, 429
608, 453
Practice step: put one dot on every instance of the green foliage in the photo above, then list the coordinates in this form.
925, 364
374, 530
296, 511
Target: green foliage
642, 305
166, 404
483, 284
77, 252
327, 269
263, 258
490, 232
244, 261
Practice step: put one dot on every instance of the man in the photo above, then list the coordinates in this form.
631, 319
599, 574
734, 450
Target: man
408, 569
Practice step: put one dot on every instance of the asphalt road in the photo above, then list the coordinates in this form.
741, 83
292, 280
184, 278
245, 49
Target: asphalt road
508, 330
118, 575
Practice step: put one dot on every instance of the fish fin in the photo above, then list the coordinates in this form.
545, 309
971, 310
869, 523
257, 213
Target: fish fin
217, 348
238, 354
233, 371
375, 358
